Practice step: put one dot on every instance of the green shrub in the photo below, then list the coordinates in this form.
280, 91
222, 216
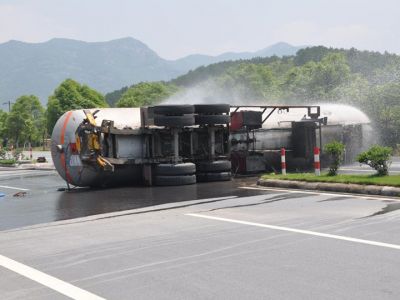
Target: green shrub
377, 157
3, 153
7, 161
335, 150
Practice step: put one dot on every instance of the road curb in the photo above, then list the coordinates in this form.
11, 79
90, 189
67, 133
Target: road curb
332, 187
25, 167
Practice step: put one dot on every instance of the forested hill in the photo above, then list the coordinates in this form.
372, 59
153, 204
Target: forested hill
314, 73
372, 66
369, 80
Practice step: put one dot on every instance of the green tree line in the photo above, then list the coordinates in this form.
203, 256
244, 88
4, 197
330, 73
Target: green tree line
29, 122
365, 79
368, 80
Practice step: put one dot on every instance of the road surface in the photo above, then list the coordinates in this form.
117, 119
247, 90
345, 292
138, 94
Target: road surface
227, 240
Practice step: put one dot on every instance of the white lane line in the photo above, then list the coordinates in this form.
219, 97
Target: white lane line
377, 197
51, 282
308, 232
13, 188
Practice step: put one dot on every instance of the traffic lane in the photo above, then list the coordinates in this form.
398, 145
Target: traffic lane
165, 254
44, 203
365, 217
15, 286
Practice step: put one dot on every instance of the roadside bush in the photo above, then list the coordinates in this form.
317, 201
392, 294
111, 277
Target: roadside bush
377, 157
335, 150
18, 155
7, 162
3, 153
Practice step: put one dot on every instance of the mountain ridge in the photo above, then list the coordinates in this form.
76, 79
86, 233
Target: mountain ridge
38, 68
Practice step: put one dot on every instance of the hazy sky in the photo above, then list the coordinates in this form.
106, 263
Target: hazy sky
175, 28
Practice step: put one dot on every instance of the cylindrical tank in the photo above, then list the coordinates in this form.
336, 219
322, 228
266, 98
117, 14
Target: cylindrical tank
68, 163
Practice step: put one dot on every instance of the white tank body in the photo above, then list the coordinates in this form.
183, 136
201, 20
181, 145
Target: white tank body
78, 173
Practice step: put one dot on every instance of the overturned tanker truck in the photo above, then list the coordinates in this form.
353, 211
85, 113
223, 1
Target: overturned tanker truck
160, 145
184, 144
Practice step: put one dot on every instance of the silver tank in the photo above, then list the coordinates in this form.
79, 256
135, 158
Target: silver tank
78, 173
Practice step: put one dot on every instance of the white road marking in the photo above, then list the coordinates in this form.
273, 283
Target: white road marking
51, 282
308, 232
13, 188
377, 197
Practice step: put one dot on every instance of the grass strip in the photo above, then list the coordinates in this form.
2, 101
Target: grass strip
391, 180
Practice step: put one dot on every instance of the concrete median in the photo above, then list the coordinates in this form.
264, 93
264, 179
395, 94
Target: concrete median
332, 187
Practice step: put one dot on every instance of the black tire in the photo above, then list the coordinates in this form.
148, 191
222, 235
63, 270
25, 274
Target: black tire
214, 166
210, 177
174, 180
173, 110
212, 119
175, 169
174, 121
212, 108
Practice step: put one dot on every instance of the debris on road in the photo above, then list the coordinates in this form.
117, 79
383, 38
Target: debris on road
20, 194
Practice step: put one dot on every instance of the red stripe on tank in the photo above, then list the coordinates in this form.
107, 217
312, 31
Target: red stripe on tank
62, 140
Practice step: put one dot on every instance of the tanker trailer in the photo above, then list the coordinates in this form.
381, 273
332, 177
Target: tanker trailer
77, 152
256, 144
127, 146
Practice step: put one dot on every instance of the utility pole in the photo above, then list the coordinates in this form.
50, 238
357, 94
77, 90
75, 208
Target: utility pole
9, 105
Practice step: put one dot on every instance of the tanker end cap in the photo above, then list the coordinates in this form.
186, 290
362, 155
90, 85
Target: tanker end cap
60, 148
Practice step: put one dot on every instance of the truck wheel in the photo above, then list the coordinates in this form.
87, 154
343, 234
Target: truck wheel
214, 166
173, 110
210, 177
174, 121
175, 169
212, 108
175, 180
212, 119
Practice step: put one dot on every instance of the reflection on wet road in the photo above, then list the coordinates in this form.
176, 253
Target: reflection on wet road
43, 203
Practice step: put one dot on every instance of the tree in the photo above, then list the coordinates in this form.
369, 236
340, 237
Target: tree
26, 122
308, 54
146, 93
3, 125
71, 95
316, 81
378, 158
250, 82
383, 105
335, 150
330, 73
113, 97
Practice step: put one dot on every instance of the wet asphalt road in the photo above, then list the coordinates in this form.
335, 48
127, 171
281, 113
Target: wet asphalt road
205, 241
44, 203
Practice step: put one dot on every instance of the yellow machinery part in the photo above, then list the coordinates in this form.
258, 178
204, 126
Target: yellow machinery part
78, 143
105, 164
90, 117
94, 143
